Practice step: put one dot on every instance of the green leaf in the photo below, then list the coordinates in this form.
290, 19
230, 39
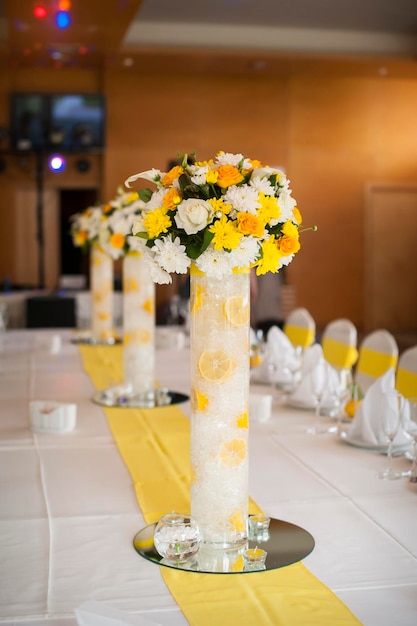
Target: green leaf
208, 236
188, 188
145, 194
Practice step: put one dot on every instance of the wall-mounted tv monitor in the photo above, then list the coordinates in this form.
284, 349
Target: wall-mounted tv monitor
71, 122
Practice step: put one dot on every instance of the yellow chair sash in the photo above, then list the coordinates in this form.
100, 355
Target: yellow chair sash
339, 354
406, 383
375, 363
299, 336
154, 443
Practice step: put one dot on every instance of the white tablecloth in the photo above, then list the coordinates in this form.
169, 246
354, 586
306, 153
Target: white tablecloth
68, 512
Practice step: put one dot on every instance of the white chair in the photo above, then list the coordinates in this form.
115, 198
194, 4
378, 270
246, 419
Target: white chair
300, 328
377, 353
339, 341
406, 380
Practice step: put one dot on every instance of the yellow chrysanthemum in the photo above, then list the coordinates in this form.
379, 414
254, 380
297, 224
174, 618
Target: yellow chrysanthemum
173, 174
212, 176
228, 175
156, 222
297, 215
290, 229
269, 209
249, 224
271, 255
80, 238
131, 197
226, 235
117, 240
220, 205
107, 208
172, 199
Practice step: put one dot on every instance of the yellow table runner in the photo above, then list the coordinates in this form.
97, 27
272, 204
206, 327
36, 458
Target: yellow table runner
154, 443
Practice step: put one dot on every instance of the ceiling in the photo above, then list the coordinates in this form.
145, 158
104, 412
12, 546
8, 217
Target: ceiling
226, 35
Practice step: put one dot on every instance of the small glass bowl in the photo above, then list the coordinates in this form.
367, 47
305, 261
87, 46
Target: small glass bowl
177, 537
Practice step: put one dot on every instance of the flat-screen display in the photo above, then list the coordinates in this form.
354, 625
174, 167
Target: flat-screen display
71, 122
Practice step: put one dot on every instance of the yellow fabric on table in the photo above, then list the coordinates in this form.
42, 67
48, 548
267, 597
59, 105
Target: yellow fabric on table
154, 443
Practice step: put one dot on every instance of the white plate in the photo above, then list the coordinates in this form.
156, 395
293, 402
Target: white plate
300, 404
358, 443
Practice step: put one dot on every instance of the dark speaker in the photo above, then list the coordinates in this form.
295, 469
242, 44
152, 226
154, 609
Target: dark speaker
50, 312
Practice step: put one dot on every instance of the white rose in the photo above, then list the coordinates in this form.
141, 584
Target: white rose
193, 215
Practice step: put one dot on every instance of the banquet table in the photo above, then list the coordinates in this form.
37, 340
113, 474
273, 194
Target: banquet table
68, 511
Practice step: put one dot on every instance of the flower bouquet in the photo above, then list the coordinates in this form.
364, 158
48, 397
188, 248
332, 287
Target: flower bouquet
222, 214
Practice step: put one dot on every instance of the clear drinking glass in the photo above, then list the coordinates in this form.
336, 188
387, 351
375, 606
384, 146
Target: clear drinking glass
409, 423
318, 380
391, 416
342, 393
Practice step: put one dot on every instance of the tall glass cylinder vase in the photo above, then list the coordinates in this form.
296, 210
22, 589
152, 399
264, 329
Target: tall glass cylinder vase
101, 281
219, 345
138, 328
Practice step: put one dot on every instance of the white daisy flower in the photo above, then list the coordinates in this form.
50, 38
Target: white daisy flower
286, 260
156, 272
214, 263
136, 244
171, 255
229, 159
262, 185
243, 199
246, 253
156, 200
199, 174
286, 204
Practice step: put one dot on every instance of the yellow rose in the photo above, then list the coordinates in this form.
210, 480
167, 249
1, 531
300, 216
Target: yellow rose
172, 175
288, 245
249, 224
171, 199
228, 175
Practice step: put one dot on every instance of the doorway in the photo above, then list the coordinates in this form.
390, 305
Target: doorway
391, 258
73, 260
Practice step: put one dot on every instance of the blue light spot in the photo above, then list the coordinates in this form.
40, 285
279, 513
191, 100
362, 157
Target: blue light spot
63, 19
56, 163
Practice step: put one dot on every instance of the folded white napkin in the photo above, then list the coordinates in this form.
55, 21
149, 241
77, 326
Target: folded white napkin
101, 614
366, 426
313, 364
280, 358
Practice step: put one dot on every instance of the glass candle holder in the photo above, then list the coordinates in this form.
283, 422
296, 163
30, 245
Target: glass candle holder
254, 559
259, 527
177, 537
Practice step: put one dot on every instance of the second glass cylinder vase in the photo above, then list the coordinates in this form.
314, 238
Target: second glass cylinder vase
101, 279
219, 346
138, 329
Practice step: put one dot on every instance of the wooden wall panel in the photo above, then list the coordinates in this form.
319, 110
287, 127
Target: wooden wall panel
334, 136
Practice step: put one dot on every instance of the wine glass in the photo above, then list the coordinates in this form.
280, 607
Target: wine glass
391, 418
318, 381
409, 423
342, 392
